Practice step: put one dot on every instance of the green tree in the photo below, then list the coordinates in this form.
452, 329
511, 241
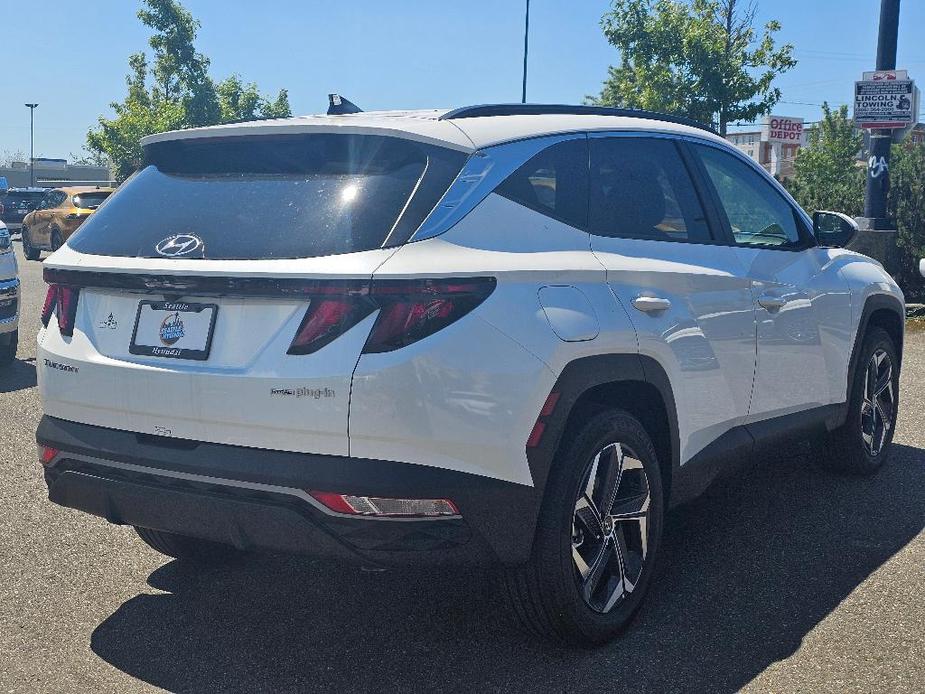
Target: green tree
907, 207
826, 172
242, 102
174, 91
701, 59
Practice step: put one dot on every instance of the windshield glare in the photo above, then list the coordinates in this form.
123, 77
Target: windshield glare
288, 197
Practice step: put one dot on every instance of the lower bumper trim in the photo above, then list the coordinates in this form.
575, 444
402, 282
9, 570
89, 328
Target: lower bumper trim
255, 499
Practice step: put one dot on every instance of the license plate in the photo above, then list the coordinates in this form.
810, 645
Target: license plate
173, 329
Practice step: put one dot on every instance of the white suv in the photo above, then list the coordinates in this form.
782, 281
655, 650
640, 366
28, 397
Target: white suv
9, 299
507, 335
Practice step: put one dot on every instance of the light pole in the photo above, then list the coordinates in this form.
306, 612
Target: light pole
523, 98
31, 108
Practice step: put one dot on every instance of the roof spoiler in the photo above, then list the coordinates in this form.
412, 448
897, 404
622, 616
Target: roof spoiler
338, 106
546, 109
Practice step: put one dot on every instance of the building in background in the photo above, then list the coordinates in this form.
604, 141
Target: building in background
50, 173
775, 143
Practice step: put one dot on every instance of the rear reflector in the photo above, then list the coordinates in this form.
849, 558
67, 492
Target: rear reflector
47, 454
386, 507
550, 404
536, 434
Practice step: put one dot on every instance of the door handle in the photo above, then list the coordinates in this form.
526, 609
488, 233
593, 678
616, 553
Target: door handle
772, 303
650, 304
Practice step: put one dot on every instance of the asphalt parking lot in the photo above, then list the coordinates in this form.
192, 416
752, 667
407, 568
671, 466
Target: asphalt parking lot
782, 579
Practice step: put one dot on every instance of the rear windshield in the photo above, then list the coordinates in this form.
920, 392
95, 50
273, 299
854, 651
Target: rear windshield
90, 201
28, 200
272, 197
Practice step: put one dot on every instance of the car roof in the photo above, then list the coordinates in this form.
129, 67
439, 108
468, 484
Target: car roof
467, 129
27, 189
74, 190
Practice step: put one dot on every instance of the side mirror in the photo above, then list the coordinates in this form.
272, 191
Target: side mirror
834, 229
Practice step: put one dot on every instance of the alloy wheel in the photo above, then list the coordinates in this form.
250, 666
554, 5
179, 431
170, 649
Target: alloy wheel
610, 527
879, 405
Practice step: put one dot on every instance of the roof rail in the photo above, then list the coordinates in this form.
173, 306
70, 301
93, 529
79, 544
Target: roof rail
544, 109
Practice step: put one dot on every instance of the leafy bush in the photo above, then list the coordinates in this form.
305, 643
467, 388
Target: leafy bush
828, 176
907, 207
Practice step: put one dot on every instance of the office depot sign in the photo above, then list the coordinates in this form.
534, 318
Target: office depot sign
782, 129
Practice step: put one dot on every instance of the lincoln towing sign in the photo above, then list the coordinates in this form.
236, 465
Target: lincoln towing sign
885, 99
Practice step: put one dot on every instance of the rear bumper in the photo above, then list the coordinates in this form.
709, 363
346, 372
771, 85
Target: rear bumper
256, 499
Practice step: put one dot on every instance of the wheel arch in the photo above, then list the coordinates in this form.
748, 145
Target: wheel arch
882, 311
632, 382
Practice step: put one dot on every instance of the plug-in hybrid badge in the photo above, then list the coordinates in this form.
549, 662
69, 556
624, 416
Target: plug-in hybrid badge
179, 244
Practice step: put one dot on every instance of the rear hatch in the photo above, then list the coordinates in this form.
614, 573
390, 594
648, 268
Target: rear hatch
222, 294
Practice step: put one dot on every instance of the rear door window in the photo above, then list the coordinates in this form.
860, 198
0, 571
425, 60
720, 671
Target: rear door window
640, 188
554, 182
273, 196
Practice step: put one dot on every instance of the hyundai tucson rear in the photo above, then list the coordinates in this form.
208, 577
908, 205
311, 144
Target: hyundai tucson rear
508, 336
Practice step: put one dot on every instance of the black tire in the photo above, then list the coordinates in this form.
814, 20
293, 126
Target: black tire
9, 343
547, 593
853, 448
28, 249
188, 548
56, 241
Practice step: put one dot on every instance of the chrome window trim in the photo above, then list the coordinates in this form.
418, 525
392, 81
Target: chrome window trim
484, 171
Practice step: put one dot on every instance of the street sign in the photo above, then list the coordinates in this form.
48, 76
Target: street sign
884, 99
783, 129
890, 75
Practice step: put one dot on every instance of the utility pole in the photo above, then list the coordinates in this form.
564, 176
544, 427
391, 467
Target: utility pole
878, 166
877, 233
523, 98
31, 108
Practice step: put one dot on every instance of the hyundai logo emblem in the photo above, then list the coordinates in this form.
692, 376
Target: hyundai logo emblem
179, 244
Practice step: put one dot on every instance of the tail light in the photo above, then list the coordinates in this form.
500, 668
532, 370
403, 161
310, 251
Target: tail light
334, 309
412, 310
66, 310
62, 300
51, 300
409, 310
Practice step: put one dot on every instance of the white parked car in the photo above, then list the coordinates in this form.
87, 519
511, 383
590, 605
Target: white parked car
9, 299
505, 335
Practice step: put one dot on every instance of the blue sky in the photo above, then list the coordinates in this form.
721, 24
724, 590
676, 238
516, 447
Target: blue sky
72, 57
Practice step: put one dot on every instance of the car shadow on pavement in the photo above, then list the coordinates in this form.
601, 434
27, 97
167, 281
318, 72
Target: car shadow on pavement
19, 375
748, 570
